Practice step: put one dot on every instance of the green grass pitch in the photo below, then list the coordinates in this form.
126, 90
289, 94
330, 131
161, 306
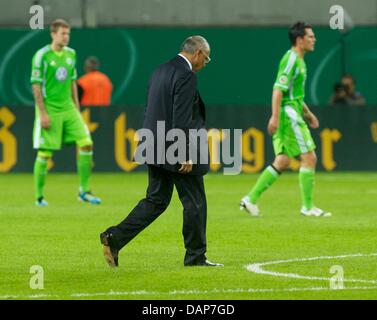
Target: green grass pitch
63, 239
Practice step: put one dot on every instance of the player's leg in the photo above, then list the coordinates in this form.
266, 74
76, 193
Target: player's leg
84, 168
267, 178
40, 173
307, 171
45, 141
75, 130
306, 178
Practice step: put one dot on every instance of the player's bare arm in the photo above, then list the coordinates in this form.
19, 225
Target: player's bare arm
37, 92
75, 95
310, 117
273, 123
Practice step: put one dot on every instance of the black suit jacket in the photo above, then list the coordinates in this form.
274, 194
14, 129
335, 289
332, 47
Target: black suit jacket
173, 97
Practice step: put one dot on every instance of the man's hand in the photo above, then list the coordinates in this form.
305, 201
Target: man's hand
186, 167
312, 120
273, 124
45, 120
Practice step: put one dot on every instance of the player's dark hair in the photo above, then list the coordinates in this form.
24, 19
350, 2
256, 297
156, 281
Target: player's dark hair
93, 62
297, 30
56, 24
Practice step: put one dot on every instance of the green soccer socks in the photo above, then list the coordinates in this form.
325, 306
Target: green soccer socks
269, 176
84, 168
265, 180
306, 178
40, 172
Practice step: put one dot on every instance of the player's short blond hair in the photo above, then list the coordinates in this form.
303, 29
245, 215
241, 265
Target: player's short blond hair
56, 24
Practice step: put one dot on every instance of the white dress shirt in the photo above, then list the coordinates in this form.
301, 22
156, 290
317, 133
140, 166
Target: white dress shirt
189, 63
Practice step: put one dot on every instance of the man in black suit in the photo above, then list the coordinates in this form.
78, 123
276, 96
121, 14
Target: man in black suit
174, 100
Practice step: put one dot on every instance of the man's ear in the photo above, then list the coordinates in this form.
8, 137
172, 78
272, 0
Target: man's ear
196, 53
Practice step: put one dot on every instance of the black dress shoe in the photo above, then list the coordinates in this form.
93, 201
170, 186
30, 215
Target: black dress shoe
208, 263
110, 251
205, 263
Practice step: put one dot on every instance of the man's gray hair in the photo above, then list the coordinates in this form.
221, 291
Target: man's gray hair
193, 43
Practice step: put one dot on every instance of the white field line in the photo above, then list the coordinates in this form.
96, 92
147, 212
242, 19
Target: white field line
255, 267
180, 292
258, 267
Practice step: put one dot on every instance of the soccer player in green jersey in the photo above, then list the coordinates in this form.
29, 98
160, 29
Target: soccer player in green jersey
58, 119
288, 125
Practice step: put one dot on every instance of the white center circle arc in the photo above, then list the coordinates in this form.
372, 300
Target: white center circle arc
258, 268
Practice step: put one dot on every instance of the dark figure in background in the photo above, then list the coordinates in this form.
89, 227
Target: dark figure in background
354, 97
339, 96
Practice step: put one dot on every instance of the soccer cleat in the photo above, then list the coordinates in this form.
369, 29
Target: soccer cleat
88, 197
249, 207
40, 202
315, 212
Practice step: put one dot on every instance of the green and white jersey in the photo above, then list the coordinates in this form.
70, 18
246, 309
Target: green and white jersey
291, 80
55, 71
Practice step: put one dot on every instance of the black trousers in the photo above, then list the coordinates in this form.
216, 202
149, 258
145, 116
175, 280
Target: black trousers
160, 188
